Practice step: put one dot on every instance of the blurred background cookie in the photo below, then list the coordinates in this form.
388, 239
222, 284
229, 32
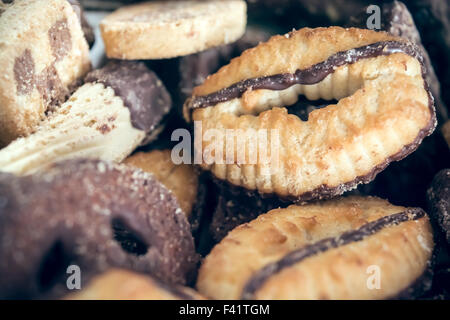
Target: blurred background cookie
158, 29
119, 284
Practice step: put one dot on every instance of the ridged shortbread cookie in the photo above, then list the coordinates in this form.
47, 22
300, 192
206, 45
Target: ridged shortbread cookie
92, 214
118, 284
349, 248
118, 108
384, 111
166, 29
43, 55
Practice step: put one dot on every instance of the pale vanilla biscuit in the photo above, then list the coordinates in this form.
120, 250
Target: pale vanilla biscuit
321, 251
93, 123
383, 113
119, 284
167, 29
43, 54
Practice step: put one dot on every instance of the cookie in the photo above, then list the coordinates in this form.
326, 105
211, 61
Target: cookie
43, 57
439, 201
398, 21
377, 80
92, 214
195, 68
157, 30
181, 179
120, 107
119, 284
87, 29
325, 250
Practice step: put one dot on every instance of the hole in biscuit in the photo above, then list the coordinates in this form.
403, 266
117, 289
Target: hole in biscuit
127, 238
53, 267
303, 107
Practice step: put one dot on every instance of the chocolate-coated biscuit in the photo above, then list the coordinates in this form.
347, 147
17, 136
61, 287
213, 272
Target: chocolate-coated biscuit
446, 132
439, 201
181, 179
384, 110
167, 29
336, 249
92, 214
120, 107
43, 57
119, 284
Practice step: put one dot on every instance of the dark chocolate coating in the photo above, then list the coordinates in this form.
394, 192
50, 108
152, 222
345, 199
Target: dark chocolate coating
439, 201
93, 214
140, 89
260, 277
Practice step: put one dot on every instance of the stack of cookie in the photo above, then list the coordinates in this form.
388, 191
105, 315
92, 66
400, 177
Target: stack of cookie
275, 195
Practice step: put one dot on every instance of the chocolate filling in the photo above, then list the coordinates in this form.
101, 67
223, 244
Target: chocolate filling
308, 76
260, 277
315, 74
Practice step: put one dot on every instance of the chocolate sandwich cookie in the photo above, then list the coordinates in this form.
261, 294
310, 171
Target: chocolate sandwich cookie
398, 21
43, 56
439, 201
167, 29
120, 107
119, 284
182, 180
384, 111
195, 68
94, 215
349, 248
87, 29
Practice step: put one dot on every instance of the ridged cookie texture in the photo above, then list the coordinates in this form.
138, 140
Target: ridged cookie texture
43, 55
384, 111
327, 250
167, 29
119, 284
95, 215
101, 120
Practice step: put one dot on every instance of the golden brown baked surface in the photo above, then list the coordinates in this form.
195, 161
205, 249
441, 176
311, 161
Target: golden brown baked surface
166, 29
118, 284
181, 179
383, 113
401, 252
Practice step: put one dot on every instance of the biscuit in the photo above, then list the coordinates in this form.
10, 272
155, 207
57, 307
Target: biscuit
439, 201
157, 30
120, 107
43, 55
181, 179
118, 284
384, 111
87, 29
324, 250
92, 214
